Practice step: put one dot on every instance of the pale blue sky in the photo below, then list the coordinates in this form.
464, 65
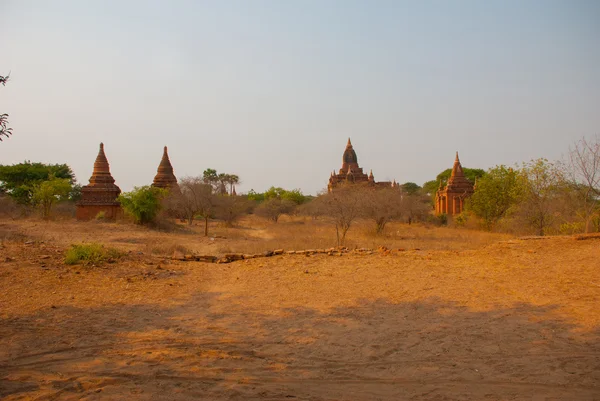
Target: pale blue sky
271, 90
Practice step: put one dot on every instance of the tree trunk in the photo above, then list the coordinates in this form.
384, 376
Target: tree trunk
206, 226
587, 225
345, 229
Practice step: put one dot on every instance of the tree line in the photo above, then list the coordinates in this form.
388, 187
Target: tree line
539, 196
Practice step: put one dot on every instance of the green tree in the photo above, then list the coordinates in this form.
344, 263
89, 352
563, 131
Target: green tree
295, 195
274, 193
220, 181
4, 129
410, 188
233, 180
430, 188
255, 196
47, 193
273, 208
210, 176
19, 180
496, 192
143, 203
541, 184
472, 174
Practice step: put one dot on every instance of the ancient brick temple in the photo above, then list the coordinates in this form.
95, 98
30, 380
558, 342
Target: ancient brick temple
451, 198
164, 177
100, 195
352, 173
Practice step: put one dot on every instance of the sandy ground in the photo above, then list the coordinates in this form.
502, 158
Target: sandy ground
514, 320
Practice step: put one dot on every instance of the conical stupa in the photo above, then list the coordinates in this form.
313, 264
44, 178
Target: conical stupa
164, 176
101, 194
450, 199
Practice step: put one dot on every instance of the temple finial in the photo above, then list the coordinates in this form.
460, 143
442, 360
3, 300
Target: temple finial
456, 159
349, 143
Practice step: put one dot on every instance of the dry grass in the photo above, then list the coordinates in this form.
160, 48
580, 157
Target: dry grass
251, 235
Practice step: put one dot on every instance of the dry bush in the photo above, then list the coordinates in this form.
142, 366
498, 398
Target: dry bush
341, 208
165, 247
231, 208
64, 210
9, 208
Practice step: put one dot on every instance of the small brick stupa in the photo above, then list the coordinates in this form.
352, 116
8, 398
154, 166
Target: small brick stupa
451, 198
164, 177
100, 195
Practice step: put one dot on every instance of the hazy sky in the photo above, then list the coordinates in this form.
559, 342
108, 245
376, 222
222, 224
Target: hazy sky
271, 90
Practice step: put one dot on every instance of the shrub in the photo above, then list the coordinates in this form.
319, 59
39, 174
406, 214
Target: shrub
101, 215
90, 254
460, 220
47, 193
143, 203
273, 208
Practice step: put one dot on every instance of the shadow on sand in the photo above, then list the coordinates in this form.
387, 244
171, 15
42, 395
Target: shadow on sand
214, 348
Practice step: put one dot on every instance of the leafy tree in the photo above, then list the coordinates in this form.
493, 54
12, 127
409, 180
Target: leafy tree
472, 174
410, 188
75, 193
210, 176
223, 180
4, 129
295, 195
540, 184
430, 188
496, 192
143, 203
220, 181
274, 193
232, 180
47, 193
273, 208
19, 180
255, 196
